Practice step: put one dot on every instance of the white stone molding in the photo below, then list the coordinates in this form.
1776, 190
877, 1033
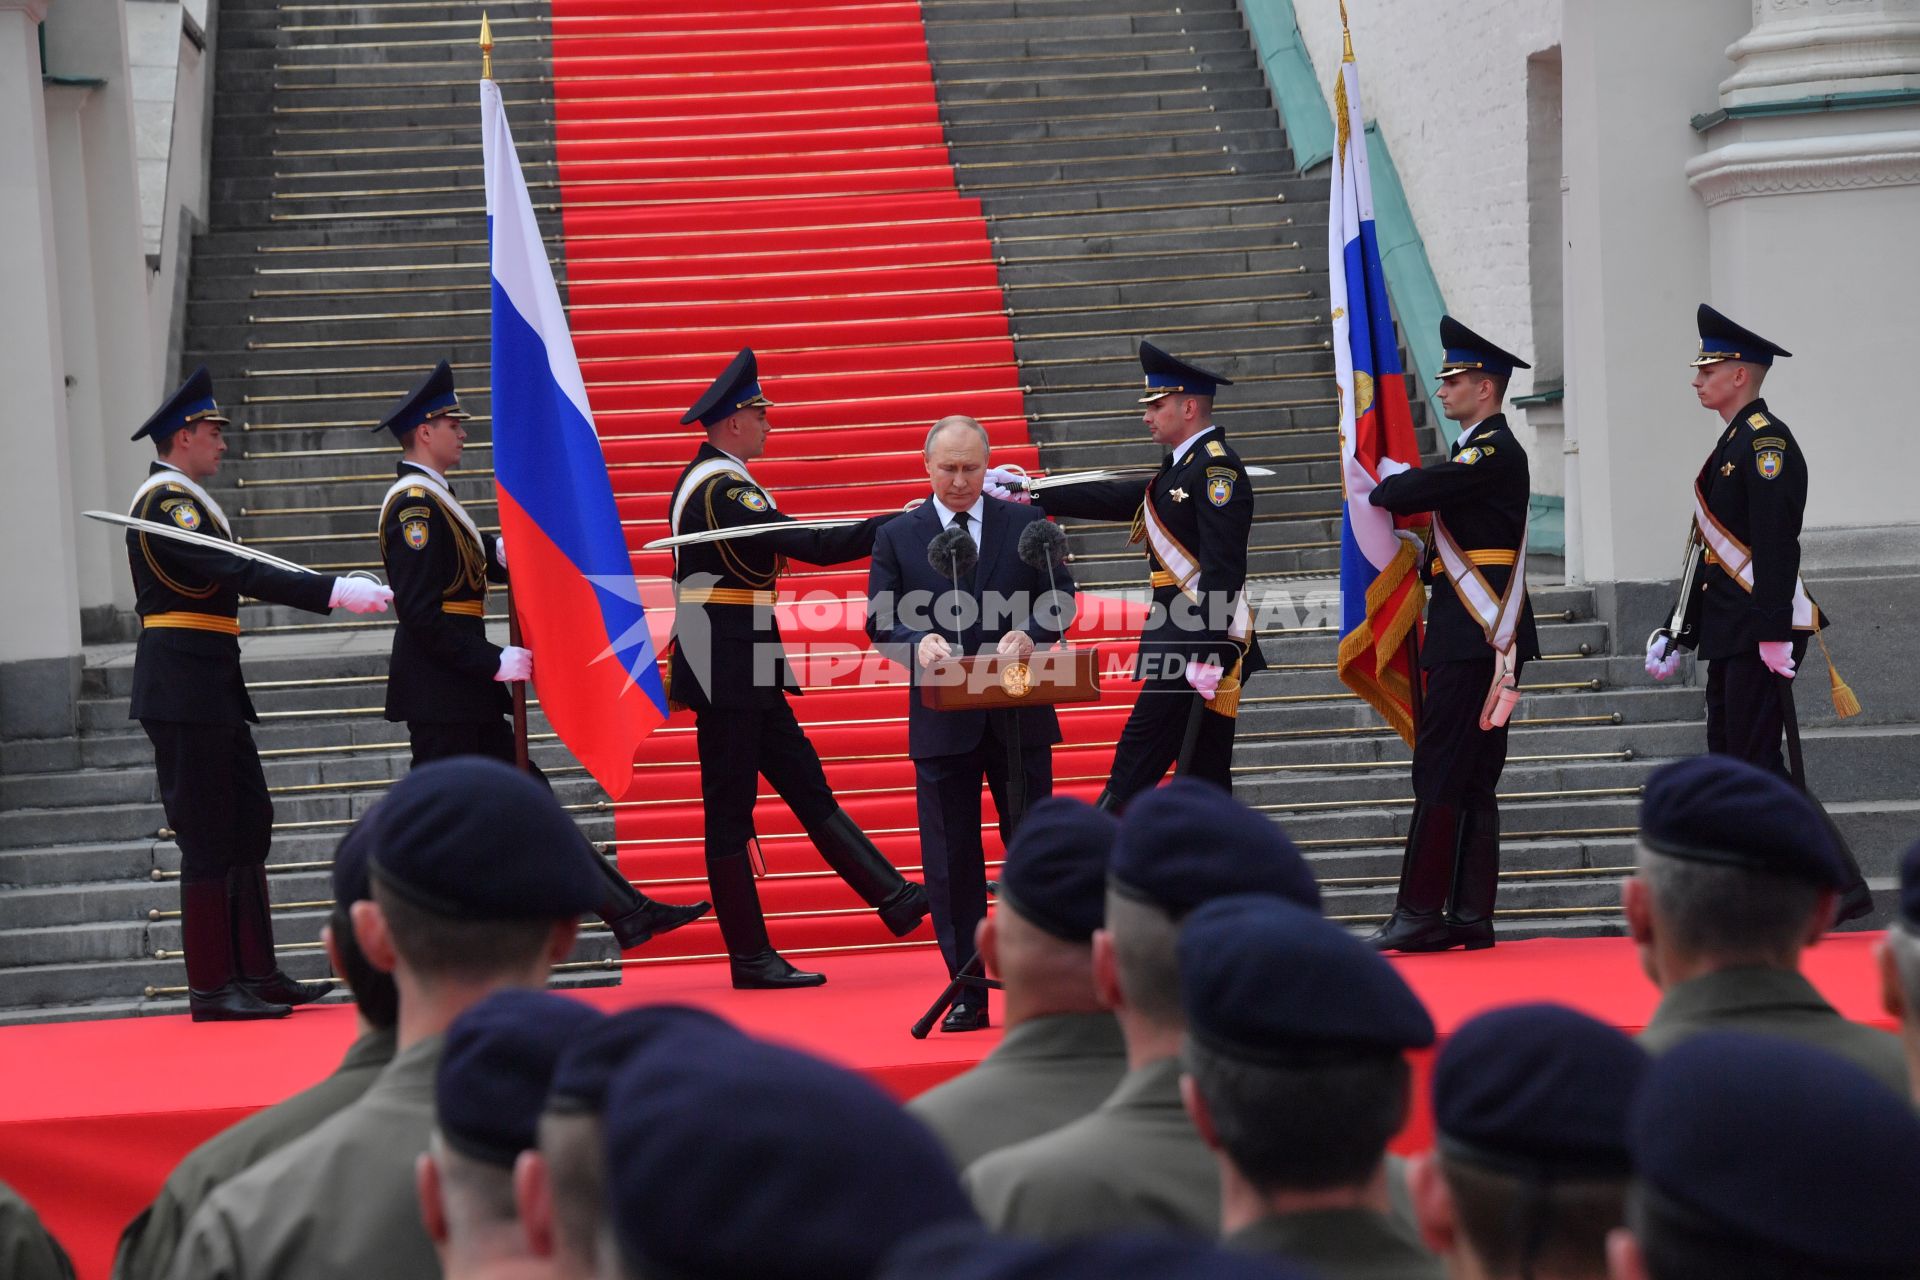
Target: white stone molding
1809, 48
1795, 166
36, 10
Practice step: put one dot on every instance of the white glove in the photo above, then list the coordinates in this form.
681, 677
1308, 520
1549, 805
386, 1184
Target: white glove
1392, 467
1205, 678
357, 595
1663, 659
500, 549
998, 482
515, 664
933, 648
1778, 655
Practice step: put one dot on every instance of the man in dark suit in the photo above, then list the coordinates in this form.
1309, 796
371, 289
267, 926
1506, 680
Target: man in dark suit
189, 696
1193, 518
1002, 606
1476, 628
446, 680
729, 666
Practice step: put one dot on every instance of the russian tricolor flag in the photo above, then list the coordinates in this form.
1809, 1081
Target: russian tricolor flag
573, 585
1380, 592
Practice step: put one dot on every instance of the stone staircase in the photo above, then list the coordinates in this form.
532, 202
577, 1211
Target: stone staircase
1137, 184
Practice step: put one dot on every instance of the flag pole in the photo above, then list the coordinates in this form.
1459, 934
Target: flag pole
513, 615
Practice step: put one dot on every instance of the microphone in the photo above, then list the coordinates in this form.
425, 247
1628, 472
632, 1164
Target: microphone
1043, 544
953, 553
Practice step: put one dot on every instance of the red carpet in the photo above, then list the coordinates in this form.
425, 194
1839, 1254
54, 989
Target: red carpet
94, 1114
796, 198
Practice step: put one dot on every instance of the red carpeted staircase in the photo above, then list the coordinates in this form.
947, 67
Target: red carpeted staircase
773, 175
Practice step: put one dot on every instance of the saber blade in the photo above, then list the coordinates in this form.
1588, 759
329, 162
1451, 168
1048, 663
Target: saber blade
745, 531
178, 534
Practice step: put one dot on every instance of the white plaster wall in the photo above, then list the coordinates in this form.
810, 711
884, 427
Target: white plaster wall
153, 56
1447, 83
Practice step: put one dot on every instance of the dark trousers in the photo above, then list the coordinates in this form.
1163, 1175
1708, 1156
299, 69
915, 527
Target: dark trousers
1452, 859
947, 793
1150, 743
491, 738
214, 793
1744, 718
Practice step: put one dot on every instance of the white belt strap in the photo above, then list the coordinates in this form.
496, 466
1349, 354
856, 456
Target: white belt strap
1179, 562
699, 476
1498, 616
440, 494
1737, 559
160, 479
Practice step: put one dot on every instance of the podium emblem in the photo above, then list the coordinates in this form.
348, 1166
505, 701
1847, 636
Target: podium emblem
1016, 679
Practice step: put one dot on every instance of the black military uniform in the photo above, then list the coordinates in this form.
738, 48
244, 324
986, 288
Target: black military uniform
728, 666
189, 696
1449, 874
442, 678
1203, 502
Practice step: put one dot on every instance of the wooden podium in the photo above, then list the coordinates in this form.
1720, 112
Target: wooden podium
989, 682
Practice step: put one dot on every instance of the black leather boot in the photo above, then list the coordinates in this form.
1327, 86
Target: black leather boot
206, 936
633, 916
756, 965
259, 971
902, 904
1476, 879
1106, 803
1426, 876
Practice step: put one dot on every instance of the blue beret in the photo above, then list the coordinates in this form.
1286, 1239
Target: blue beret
1166, 374
1910, 888
957, 1253
1782, 1148
1537, 1090
743, 1160
1055, 874
491, 1083
1717, 809
433, 397
471, 837
191, 402
1467, 351
1722, 339
1262, 978
1190, 841
350, 859
735, 389
587, 1065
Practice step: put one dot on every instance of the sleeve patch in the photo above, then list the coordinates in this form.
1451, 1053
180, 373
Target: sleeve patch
1220, 485
182, 512
414, 513
1472, 454
1769, 463
749, 497
1769, 442
1215, 449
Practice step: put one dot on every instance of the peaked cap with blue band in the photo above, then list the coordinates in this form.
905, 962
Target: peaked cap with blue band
1191, 841
1722, 339
432, 398
491, 1082
1055, 874
1468, 352
1167, 374
1263, 979
192, 402
588, 1065
736, 389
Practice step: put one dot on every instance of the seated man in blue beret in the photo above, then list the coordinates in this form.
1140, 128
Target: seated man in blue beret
1757, 1158
729, 1158
1297, 1078
560, 1186
1899, 958
1530, 1169
1736, 874
479, 882
1062, 1054
1136, 1161
488, 1093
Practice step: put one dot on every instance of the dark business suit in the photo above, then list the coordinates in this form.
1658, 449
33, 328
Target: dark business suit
953, 750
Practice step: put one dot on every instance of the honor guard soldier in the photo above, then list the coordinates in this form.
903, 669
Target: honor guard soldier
446, 680
189, 696
1751, 616
728, 666
1479, 634
1194, 517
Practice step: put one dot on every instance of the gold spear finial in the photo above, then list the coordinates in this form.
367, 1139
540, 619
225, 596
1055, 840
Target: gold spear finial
486, 44
1346, 36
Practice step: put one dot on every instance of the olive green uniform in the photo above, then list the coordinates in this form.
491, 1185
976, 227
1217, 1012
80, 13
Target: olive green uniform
1135, 1162
338, 1202
1341, 1244
1772, 1002
1046, 1072
27, 1251
147, 1245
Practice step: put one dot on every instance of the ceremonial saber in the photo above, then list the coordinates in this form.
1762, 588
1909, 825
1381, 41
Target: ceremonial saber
1039, 483
746, 531
178, 534
1689, 572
